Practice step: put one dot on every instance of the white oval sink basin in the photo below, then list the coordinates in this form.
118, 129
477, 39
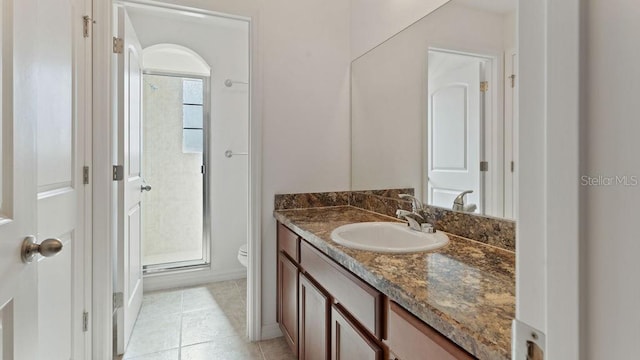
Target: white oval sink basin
387, 237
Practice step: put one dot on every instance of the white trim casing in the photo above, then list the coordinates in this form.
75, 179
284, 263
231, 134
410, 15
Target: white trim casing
83, 349
510, 110
103, 189
254, 274
531, 229
547, 250
563, 176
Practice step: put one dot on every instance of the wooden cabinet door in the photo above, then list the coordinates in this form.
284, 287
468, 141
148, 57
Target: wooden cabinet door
288, 300
409, 338
348, 342
314, 322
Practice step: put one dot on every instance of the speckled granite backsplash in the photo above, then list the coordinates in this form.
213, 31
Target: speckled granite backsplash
488, 230
384, 202
311, 200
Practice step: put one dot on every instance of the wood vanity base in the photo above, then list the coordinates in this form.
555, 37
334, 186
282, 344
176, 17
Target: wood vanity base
326, 312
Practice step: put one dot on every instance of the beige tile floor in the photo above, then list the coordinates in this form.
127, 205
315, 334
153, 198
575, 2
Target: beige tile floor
199, 323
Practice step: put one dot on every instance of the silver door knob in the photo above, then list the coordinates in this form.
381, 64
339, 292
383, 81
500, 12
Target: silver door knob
47, 248
144, 188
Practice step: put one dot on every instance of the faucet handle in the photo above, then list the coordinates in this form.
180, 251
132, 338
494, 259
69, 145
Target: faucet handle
403, 214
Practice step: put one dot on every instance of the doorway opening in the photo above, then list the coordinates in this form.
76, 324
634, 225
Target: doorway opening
175, 226
183, 99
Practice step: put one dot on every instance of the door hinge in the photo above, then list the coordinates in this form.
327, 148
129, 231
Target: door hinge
513, 166
118, 172
527, 342
484, 86
484, 166
86, 22
85, 175
118, 45
118, 300
203, 169
85, 321
513, 80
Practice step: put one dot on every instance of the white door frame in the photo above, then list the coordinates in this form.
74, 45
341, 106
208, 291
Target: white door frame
84, 108
547, 241
104, 190
509, 110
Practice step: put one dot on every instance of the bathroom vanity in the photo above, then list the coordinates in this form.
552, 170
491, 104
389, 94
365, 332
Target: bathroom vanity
335, 302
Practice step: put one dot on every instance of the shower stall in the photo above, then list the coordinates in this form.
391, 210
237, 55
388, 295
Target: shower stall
176, 122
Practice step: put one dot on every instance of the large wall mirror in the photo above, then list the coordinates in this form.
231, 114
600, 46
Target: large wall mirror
434, 108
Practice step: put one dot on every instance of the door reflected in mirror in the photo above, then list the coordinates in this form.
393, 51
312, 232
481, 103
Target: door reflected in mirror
433, 108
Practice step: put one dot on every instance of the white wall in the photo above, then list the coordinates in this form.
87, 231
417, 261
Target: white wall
224, 45
374, 21
304, 55
388, 128
611, 147
510, 32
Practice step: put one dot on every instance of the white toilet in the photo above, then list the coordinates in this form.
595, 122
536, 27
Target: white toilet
242, 255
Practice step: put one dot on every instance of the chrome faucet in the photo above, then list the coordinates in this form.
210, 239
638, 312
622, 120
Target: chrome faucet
416, 217
459, 205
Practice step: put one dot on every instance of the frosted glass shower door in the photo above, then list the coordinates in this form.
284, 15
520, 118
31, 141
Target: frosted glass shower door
174, 148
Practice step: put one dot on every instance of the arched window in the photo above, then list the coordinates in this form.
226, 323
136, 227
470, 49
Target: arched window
174, 59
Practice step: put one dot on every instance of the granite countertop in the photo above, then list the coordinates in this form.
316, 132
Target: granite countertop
465, 290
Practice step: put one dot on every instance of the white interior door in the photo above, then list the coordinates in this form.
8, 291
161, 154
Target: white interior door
59, 179
41, 301
18, 281
453, 130
129, 254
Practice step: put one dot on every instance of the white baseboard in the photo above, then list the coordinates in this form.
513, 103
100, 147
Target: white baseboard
271, 331
189, 278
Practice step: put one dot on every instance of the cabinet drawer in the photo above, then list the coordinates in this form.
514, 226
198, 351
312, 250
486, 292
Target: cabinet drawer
410, 339
288, 242
361, 300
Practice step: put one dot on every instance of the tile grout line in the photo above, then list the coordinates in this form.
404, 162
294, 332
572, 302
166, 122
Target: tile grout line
181, 319
264, 357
